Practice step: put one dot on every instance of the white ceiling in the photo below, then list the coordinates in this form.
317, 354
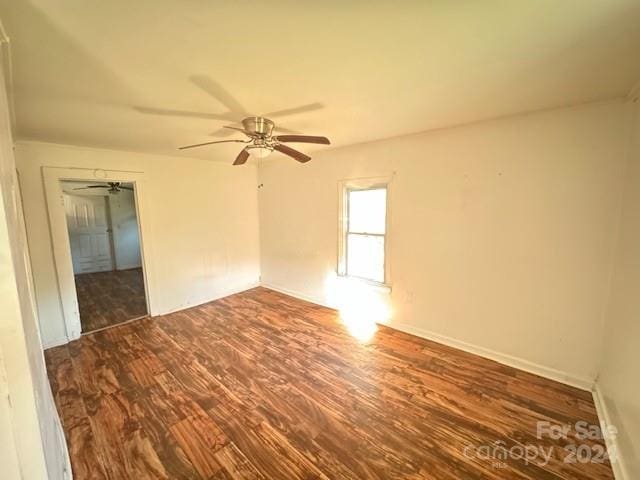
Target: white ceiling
90, 72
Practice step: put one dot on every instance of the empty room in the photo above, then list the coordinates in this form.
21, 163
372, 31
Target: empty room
320, 240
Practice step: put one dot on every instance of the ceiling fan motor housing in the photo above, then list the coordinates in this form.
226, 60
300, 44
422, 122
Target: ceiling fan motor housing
258, 125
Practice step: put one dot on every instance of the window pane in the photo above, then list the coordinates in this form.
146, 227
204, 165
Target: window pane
365, 256
367, 210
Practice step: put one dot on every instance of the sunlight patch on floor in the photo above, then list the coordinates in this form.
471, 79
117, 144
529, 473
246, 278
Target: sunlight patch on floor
361, 306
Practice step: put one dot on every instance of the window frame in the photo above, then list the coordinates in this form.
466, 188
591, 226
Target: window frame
345, 188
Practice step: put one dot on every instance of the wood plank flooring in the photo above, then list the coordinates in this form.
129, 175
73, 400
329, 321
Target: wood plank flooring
260, 385
109, 298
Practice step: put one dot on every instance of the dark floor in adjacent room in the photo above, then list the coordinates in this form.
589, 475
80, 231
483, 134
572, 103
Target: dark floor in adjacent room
264, 386
109, 298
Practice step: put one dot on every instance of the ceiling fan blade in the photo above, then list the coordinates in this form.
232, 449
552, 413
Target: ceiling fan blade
242, 157
218, 92
185, 113
299, 156
92, 186
303, 139
125, 188
292, 111
210, 143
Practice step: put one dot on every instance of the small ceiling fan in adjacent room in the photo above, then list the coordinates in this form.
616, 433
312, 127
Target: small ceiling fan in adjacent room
112, 187
262, 142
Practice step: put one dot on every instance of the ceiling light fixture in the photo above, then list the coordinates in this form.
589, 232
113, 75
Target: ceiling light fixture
262, 142
260, 151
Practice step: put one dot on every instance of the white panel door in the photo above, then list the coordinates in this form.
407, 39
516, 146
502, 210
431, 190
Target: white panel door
89, 233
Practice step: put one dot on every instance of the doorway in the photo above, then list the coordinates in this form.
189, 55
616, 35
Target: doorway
104, 241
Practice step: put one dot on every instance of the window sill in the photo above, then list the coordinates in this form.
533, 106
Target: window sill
371, 284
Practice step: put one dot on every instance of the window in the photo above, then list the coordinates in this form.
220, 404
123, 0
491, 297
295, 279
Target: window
364, 229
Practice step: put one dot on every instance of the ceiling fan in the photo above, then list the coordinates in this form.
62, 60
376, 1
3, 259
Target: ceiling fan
112, 187
262, 142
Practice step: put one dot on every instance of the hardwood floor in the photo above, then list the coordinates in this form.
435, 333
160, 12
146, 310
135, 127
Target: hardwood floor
260, 385
109, 298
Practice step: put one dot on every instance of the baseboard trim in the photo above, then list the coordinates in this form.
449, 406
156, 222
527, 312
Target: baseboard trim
226, 293
128, 266
583, 383
619, 470
298, 295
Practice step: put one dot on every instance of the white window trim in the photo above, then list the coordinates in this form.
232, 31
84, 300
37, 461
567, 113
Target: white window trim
344, 187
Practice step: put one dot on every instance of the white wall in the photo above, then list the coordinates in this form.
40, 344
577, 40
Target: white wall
501, 232
203, 218
619, 381
34, 446
8, 453
126, 243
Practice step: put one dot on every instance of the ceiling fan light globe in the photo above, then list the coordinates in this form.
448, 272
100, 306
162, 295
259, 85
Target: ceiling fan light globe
260, 152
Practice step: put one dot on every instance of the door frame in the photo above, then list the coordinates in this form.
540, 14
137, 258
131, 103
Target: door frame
52, 177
